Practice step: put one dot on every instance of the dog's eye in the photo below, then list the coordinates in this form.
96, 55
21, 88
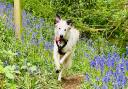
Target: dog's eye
64, 29
59, 28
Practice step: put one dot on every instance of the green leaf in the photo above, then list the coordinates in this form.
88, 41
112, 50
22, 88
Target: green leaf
9, 72
1, 69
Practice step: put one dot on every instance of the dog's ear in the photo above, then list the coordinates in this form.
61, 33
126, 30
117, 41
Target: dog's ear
57, 19
69, 22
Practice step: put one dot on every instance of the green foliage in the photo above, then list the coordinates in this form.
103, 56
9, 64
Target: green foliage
41, 8
107, 14
23, 65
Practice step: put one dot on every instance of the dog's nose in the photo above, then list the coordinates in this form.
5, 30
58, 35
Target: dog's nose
61, 36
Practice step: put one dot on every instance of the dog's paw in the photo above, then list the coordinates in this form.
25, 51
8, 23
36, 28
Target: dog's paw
61, 62
59, 79
57, 71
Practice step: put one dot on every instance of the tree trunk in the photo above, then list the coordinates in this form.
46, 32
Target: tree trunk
17, 18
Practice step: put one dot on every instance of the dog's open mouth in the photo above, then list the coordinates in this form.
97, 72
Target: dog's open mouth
60, 41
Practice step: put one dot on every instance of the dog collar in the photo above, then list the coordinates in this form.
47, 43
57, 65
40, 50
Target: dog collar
61, 47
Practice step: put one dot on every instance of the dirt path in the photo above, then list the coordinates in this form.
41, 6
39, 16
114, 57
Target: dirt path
72, 82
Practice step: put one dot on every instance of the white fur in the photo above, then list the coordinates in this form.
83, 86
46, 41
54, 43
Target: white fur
71, 34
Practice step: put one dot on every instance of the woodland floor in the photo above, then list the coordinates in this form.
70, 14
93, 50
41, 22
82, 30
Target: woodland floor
72, 82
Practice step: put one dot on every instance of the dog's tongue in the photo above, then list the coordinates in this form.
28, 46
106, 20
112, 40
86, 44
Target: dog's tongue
59, 40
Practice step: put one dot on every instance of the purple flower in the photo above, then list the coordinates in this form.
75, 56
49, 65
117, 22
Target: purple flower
93, 63
106, 79
2, 6
37, 26
86, 77
115, 74
126, 63
110, 61
102, 62
115, 86
109, 73
124, 81
97, 60
86, 55
41, 20
121, 80
9, 5
97, 78
48, 45
120, 68
104, 86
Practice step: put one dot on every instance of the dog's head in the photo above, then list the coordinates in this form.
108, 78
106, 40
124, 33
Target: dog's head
62, 27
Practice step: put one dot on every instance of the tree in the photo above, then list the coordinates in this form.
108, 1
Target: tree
17, 18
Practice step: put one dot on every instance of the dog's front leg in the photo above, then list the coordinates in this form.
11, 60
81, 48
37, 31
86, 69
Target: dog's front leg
60, 75
64, 57
56, 59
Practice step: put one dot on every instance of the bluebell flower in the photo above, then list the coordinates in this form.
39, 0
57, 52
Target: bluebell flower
9, 5
28, 21
48, 45
86, 54
120, 68
124, 81
115, 86
109, 73
102, 63
115, 75
87, 77
126, 63
37, 26
97, 60
2, 5
106, 79
104, 86
110, 61
92, 63
41, 20
121, 80
97, 78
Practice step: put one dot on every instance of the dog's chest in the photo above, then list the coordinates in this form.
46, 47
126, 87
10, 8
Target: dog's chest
61, 47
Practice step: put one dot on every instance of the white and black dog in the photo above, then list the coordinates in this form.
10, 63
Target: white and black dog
66, 37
